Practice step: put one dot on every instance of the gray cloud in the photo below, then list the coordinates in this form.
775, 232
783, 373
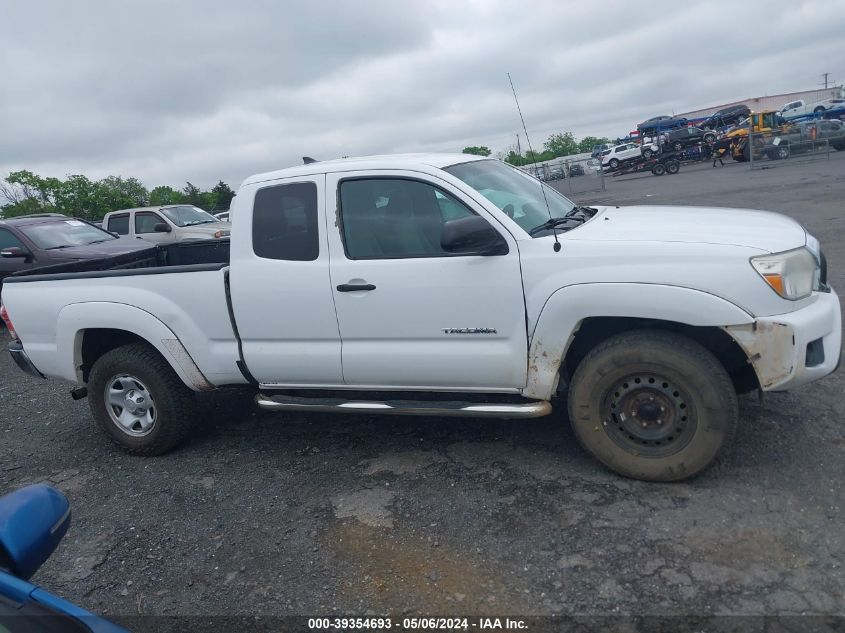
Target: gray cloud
201, 91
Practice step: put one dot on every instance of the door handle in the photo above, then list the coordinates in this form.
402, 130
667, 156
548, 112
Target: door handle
355, 287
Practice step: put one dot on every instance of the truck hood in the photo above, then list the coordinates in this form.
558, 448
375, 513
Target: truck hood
206, 230
101, 249
762, 230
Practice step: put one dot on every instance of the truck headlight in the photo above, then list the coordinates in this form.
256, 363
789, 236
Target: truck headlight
219, 234
792, 274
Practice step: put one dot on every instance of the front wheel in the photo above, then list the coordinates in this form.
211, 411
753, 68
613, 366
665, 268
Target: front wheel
647, 153
709, 138
677, 146
653, 405
614, 163
139, 401
818, 110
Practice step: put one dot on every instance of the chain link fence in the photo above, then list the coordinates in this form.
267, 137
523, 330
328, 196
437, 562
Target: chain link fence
789, 144
574, 174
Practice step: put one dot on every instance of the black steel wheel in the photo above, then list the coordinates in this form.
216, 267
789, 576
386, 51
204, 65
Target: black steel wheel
658, 169
673, 167
652, 405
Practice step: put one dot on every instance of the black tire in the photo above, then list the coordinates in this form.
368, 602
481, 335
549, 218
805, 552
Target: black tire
782, 151
647, 153
655, 373
677, 146
174, 404
673, 167
658, 169
614, 163
818, 109
709, 138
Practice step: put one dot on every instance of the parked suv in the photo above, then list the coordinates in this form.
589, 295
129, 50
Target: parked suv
33, 241
167, 224
683, 137
725, 117
660, 123
619, 154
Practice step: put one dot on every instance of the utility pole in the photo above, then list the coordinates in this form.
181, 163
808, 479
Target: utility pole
825, 75
518, 148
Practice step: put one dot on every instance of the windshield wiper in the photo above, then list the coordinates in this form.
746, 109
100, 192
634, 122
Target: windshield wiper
555, 222
590, 211
53, 248
108, 239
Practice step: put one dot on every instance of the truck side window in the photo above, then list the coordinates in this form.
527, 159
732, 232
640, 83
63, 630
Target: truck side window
119, 224
145, 222
386, 218
284, 222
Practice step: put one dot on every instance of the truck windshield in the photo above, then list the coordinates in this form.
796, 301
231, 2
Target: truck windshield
188, 215
64, 234
516, 194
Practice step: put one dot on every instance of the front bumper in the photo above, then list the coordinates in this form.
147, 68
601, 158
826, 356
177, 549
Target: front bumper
22, 360
790, 350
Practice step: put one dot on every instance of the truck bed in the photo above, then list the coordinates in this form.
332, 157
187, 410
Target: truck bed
162, 294
189, 256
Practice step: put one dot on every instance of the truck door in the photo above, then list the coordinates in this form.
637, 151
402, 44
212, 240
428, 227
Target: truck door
410, 314
145, 223
279, 281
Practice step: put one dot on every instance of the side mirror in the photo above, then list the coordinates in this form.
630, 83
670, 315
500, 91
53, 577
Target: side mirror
13, 251
472, 236
115, 233
161, 227
32, 522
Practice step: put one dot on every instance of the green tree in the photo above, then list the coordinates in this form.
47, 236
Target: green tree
193, 195
478, 150
224, 195
587, 143
561, 144
514, 159
163, 194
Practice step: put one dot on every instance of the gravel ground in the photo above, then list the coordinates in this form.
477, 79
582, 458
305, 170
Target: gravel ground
321, 515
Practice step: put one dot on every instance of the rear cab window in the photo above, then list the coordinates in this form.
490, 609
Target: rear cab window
118, 224
285, 223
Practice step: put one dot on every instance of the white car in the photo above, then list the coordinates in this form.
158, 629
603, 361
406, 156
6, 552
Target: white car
223, 216
800, 108
463, 287
619, 154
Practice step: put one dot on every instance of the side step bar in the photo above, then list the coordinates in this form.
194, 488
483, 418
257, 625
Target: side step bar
534, 409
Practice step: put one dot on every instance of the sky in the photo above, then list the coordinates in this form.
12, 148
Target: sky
170, 92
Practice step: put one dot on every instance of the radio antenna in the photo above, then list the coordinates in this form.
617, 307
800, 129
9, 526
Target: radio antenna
531, 149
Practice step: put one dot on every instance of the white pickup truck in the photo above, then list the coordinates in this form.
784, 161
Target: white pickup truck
445, 285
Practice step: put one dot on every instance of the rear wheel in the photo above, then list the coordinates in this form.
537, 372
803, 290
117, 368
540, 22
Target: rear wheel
818, 109
652, 405
658, 169
139, 401
677, 146
782, 151
647, 153
673, 167
614, 163
709, 138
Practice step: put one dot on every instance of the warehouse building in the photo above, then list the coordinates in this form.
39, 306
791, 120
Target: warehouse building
772, 102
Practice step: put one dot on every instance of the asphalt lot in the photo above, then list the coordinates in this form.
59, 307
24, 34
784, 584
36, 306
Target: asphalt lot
322, 515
